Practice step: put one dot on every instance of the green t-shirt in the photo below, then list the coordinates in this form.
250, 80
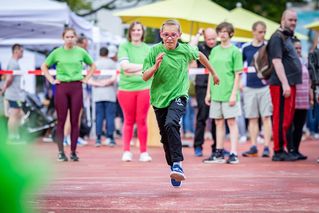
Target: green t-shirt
69, 63
226, 62
171, 79
136, 55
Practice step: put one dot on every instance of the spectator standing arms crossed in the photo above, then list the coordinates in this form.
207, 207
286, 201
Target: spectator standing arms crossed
167, 63
134, 93
69, 94
283, 80
105, 99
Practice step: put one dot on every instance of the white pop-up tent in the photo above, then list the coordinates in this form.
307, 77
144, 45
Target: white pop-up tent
38, 20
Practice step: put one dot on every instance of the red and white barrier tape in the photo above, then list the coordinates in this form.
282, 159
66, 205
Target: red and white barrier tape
249, 69
192, 71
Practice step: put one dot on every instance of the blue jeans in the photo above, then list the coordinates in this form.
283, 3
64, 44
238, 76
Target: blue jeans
313, 118
188, 118
105, 110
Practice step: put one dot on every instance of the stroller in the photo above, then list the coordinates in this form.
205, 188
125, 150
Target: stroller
35, 122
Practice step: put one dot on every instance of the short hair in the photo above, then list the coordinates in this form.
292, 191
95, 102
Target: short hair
104, 51
228, 26
129, 37
263, 24
295, 39
171, 22
16, 47
81, 39
287, 11
66, 29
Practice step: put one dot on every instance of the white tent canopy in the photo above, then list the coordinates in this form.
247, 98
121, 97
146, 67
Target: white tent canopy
38, 19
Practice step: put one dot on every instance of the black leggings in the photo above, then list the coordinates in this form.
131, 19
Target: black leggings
69, 96
298, 123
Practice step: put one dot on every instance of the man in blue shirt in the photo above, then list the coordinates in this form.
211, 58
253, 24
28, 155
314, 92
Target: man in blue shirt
257, 101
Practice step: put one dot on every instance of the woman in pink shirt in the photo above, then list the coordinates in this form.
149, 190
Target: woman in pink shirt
304, 98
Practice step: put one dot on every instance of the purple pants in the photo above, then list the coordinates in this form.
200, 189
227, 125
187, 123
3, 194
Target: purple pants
69, 96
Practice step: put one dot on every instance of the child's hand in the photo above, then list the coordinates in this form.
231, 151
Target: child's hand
232, 100
207, 99
216, 79
159, 59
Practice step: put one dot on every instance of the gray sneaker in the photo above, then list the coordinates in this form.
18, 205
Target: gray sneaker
233, 159
62, 157
215, 158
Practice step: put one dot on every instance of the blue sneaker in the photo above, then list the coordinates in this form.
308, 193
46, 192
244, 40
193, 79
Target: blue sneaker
266, 152
198, 152
174, 182
177, 173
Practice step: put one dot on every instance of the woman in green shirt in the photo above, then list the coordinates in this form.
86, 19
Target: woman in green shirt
133, 92
69, 61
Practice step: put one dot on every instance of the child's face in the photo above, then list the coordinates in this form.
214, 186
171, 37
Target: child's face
170, 36
298, 48
223, 35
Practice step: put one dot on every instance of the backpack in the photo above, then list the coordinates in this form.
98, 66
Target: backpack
261, 61
313, 67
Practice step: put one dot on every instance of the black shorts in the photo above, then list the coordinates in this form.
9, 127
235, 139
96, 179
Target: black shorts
15, 104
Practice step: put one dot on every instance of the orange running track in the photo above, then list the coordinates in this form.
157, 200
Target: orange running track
100, 182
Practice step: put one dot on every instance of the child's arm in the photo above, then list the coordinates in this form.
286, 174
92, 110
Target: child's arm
204, 61
207, 97
150, 72
232, 100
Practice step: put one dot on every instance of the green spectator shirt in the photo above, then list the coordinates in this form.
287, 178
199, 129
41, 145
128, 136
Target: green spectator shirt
136, 55
226, 62
69, 63
170, 81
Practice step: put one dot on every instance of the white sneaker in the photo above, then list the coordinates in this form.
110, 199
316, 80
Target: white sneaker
145, 157
81, 142
109, 142
127, 156
316, 136
260, 140
242, 139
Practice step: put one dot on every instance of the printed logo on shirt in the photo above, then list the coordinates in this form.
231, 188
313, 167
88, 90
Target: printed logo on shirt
178, 101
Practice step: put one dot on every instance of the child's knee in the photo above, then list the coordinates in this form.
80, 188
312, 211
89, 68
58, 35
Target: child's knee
231, 122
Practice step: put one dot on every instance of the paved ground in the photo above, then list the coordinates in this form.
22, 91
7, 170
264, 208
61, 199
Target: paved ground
100, 182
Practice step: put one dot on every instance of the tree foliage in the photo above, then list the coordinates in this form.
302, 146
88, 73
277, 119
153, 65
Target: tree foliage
84, 7
271, 9
77, 5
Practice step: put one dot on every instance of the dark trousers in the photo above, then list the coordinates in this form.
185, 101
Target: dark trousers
202, 116
298, 123
105, 110
69, 96
168, 120
283, 112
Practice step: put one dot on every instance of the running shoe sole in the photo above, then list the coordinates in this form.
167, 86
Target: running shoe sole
177, 176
